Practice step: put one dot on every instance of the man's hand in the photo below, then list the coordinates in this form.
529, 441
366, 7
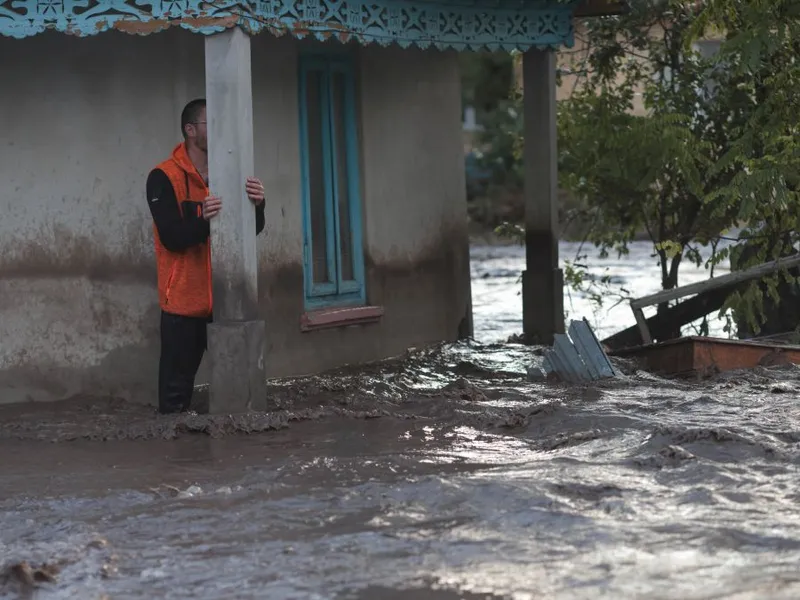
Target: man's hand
211, 207
255, 190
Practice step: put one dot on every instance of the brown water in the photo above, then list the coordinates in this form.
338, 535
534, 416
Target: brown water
441, 475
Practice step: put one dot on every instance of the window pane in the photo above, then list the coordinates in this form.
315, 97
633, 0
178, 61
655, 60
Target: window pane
316, 178
338, 95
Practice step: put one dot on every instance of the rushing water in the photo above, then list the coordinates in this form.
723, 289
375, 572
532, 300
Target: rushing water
443, 474
497, 288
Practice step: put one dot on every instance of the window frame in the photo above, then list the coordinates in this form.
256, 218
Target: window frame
337, 292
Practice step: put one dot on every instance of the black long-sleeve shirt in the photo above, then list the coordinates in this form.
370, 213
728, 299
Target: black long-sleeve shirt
180, 231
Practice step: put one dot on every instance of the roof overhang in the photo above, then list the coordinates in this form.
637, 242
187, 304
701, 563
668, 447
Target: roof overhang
444, 24
601, 8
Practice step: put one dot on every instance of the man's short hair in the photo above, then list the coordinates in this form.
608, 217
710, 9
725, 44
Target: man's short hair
191, 112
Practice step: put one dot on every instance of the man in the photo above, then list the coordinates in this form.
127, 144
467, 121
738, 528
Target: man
181, 205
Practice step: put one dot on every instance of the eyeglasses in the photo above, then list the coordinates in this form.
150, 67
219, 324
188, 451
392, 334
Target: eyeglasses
198, 122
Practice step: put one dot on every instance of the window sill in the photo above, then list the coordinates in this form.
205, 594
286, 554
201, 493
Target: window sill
340, 317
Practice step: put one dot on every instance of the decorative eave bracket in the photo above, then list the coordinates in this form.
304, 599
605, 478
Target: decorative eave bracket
466, 25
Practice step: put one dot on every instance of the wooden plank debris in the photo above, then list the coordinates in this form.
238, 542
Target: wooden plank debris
702, 357
730, 280
666, 321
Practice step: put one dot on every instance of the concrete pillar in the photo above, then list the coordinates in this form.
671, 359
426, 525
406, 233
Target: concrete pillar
236, 339
542, 281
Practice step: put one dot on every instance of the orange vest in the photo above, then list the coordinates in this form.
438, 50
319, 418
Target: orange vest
184, 278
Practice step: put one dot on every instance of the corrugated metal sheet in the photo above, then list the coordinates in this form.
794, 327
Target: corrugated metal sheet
590, 349
577, 357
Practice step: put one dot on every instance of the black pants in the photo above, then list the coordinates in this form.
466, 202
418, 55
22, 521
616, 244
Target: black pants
183, 342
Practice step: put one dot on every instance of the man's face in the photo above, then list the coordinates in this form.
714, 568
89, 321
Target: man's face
197, 131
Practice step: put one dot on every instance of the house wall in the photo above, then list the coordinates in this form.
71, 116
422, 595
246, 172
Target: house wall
83, 121
414, 207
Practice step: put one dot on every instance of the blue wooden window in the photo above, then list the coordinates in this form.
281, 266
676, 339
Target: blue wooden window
333, 259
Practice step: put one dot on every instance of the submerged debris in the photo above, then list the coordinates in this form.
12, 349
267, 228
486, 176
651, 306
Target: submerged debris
24, 577
30, 575
170, 491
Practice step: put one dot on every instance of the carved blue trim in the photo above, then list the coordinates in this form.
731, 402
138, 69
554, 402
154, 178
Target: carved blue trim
465, 25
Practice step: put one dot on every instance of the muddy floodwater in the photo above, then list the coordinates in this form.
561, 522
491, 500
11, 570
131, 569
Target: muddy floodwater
442, 474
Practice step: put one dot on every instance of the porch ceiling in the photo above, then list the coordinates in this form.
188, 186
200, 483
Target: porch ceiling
598, 8
444, 24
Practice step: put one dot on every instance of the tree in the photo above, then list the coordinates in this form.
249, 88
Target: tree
486, 79
762, 43
664, 139
672, 168
494, 176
